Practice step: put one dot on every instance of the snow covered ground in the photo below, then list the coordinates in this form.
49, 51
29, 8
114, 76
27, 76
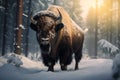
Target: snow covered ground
89, 69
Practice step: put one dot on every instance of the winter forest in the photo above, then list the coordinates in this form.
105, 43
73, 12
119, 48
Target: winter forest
100, 20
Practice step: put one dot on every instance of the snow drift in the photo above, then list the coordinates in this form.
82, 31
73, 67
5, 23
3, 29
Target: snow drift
90, 69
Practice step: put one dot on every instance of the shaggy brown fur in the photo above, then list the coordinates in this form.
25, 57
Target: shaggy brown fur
68, 40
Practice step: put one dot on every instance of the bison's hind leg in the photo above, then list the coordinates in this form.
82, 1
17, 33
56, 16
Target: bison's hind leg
78, 56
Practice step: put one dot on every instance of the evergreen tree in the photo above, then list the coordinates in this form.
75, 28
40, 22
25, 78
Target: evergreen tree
119, 24
74, 9
106, 19
90, 23
4, 27
8, 22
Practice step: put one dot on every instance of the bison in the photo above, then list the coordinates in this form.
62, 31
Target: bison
58, 36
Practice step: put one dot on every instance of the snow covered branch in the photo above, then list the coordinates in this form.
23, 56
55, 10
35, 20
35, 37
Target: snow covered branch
21, 26
25, 15
1, 7
107, 47
41, 3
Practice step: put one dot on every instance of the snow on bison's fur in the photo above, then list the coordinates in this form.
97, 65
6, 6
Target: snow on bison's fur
58, 36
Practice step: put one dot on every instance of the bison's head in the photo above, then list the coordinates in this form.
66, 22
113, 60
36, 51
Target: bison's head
47, 25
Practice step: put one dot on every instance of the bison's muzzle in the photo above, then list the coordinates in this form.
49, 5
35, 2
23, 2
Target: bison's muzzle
45, 45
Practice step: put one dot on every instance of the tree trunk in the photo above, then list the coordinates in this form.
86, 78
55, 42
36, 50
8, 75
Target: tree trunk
19, 28
55, 2
119, 24
27, 32
111, 2
96, 29
4, 28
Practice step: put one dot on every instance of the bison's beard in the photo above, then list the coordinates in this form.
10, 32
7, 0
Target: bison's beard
45, 48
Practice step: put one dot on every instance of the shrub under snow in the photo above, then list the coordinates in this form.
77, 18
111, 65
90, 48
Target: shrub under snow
108, 48
14, 59
116, 67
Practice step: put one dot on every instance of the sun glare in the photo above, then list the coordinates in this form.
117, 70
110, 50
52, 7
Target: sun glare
92, 3
86, 4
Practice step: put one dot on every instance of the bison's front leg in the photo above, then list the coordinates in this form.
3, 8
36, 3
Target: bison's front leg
63, 67
51, 65
65, 56
48, 61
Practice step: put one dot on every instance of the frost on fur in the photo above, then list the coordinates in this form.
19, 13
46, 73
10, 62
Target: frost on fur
15, 59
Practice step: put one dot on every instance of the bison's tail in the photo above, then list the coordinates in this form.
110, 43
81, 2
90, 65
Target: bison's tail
85, 30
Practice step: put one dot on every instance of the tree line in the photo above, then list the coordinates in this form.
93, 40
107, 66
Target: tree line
108, 24
16, 36
103, 22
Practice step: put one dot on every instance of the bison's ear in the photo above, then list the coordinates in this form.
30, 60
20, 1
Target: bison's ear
33, 26
59, 27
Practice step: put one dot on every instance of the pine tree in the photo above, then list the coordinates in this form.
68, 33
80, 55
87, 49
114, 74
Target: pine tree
91, 20
73, 7
96, 29
1, 23
4, 28
76, 12
106, 19
27, 29
119, 24
7, 24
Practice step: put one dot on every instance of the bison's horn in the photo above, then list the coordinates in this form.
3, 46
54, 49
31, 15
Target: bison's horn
59, 18
33, 21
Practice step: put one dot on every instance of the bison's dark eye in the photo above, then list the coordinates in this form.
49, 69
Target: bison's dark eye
39, 28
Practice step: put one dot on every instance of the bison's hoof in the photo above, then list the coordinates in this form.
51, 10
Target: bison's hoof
76, 68
51, 69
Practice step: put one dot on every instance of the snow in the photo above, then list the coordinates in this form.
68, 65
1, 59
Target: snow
21, 26
25, 15
34, 56
105, 44
16, 28
41, 3
15, 59
108, 48
90, 69
1, 7
116, 65
18, 46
